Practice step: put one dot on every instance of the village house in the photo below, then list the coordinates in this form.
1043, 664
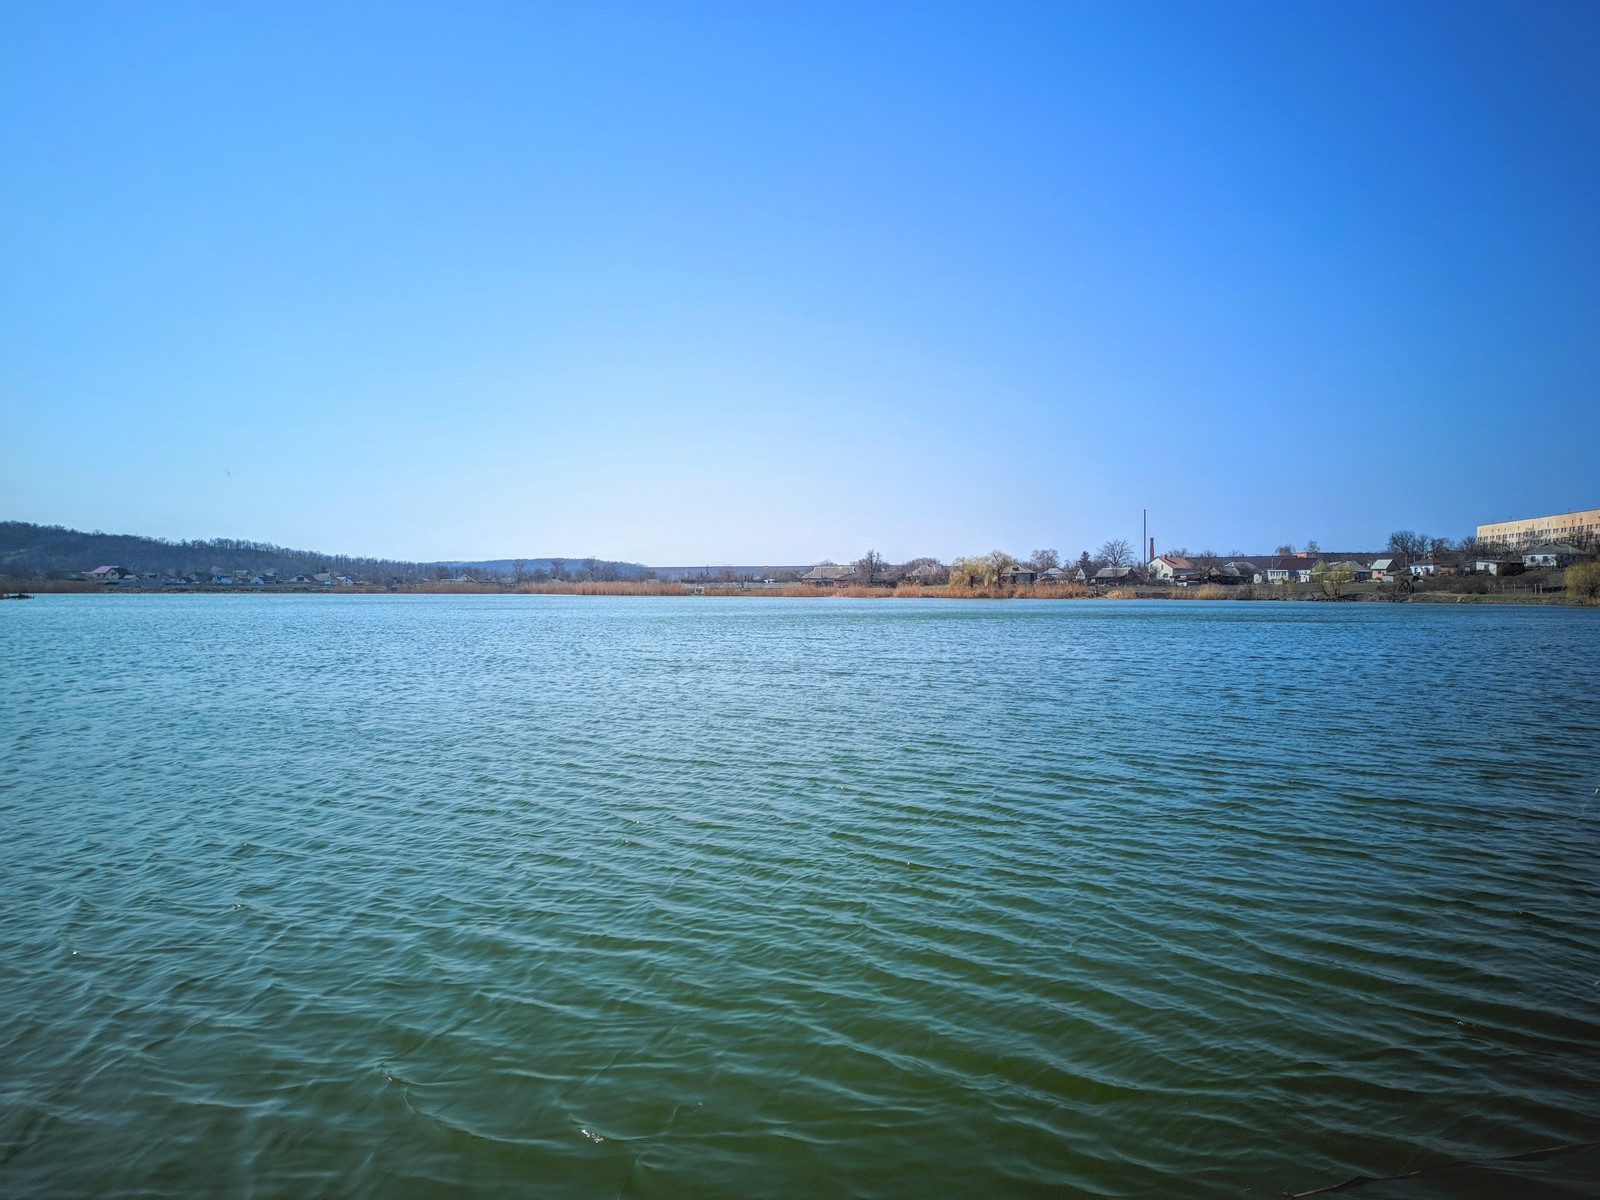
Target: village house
1552, 555
110, 574
829, 575
1432, 566
928, 573
1383, 569
1497, 566
1017, 573
1224, 576
1288, 573
1172, 568
1118, 576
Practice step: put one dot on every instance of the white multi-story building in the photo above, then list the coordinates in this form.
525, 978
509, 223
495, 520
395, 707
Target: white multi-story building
1582, 525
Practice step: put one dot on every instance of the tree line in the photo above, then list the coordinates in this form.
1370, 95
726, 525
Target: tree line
985, 570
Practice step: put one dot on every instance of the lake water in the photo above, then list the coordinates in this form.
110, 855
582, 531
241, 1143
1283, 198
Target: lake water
706, 897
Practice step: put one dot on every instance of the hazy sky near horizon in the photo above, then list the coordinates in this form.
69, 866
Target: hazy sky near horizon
683, 282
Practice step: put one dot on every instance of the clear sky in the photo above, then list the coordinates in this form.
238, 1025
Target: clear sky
762, 282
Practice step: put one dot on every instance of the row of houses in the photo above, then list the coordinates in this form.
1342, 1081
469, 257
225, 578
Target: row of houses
1551, 554
1303, 568
1261, 568
835, 575
113, 575
1178, 571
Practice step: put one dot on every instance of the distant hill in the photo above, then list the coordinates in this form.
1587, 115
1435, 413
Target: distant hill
37, 551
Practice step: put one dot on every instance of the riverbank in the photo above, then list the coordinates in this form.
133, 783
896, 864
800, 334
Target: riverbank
1265, 593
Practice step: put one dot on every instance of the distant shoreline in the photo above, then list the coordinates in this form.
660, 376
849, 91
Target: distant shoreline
1250, 594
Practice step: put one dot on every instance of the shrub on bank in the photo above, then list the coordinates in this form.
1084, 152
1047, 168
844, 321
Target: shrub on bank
1583, 582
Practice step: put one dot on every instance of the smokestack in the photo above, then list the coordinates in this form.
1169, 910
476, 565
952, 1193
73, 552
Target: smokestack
1152, 557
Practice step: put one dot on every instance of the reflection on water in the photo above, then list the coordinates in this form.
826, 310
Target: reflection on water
715, 897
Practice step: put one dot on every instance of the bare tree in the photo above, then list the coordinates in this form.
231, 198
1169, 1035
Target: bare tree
1407, 544
1044, 560
1312, 547
1116, 553
558, 569
869, 565
1284, 551
519, 569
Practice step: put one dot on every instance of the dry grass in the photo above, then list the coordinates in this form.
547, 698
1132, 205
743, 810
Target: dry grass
1026, 591
627, 587
1055, 591
593, 587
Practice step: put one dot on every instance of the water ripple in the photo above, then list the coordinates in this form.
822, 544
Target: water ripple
578, 896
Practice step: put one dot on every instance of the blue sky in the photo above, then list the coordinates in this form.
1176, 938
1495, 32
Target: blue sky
766, 283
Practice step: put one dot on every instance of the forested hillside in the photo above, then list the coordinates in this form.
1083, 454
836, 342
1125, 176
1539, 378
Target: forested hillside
38, 551
52, 551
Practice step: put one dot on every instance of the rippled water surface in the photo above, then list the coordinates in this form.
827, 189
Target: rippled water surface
702, 897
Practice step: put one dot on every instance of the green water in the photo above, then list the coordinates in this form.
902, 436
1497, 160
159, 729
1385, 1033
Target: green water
705, 897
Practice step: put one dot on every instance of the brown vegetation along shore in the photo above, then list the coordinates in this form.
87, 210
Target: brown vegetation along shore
589, 587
